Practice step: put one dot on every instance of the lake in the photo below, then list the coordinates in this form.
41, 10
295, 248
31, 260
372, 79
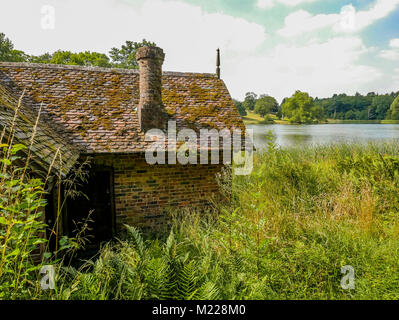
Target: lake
301, 135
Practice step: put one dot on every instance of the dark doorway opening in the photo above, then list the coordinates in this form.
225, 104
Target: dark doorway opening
93, 206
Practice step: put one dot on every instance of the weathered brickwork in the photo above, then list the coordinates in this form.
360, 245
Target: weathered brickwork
143, 193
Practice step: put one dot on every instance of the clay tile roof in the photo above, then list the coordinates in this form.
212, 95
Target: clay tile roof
49, 150
96, 108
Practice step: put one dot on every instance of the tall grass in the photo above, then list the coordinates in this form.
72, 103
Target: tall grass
23, 245
291, 225
21, 224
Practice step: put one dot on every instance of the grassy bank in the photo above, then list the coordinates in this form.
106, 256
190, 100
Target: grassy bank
363, 121
291, 226
337, 121
253, 118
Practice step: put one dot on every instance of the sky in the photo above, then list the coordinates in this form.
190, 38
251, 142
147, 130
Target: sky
272, 47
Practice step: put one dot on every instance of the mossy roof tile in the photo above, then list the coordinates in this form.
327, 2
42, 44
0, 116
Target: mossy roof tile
96, 108
50, 149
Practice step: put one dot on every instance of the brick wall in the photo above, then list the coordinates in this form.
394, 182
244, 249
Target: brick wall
144, 192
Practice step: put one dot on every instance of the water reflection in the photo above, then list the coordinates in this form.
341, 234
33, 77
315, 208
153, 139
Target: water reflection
300, 135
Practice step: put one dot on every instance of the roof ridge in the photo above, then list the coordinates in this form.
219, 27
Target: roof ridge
99, 69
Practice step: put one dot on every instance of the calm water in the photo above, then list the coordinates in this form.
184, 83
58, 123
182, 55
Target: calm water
298, 135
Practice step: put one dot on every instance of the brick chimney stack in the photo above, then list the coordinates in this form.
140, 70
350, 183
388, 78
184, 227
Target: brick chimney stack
151, 112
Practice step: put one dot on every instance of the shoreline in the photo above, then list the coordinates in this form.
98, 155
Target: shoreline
251, 119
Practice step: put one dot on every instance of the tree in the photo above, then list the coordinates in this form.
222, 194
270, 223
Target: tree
394, 109
350, 115
379, 106
8, 53
367, 107
335, 105
279, 113
43, 58
250, 101
87, 58
300, 108
362, 115
265, 105
318, 113
125, 57
240, 108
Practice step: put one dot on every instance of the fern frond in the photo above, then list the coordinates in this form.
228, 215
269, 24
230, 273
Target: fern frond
157, 275
187, 280
208, 291
138, 242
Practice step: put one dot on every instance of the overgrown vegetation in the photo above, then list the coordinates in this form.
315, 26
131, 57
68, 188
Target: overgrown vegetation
24, 247
21, 226
290, 227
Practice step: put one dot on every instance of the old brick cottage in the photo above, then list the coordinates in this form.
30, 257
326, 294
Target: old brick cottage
104, 114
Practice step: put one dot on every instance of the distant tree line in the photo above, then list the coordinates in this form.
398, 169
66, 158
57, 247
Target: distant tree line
359, 107
302, 108
123, 57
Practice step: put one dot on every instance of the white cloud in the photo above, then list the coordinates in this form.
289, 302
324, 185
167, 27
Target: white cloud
391, 54
379, 10
301, 21
348, 20
393, 81
188, 35
294, 2
265, 4
320, 68
362, 19
190, 41
394, 43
